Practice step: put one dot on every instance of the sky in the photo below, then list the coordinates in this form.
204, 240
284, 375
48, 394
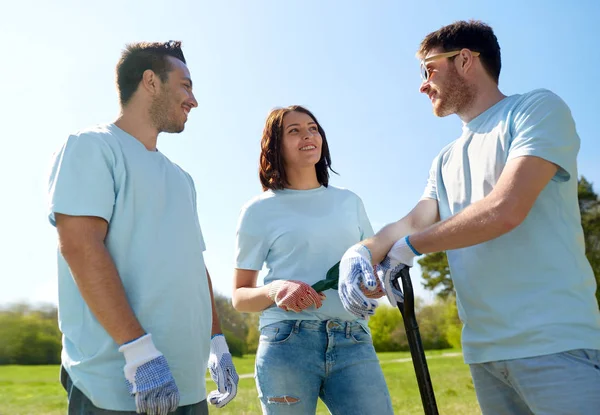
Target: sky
350, 62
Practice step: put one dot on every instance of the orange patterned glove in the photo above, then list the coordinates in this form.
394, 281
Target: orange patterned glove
294, 295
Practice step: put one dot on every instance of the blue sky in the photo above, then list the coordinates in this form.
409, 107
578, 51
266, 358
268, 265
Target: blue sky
351, 62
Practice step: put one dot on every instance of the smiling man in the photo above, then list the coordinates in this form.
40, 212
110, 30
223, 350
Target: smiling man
501, 200
135, 299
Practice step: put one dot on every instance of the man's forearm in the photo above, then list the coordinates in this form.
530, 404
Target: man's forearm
382, 242
101, 288
480, 222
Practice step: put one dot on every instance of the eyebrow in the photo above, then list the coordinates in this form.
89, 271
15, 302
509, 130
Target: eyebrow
297, 124
185, 78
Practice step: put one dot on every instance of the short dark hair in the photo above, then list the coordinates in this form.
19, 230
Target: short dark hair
272, 170
474, 35
141, 56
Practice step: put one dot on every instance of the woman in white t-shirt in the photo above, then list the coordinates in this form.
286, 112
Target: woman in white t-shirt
299, 227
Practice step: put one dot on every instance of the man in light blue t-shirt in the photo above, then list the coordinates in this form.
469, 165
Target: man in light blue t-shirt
135, 299
501, 200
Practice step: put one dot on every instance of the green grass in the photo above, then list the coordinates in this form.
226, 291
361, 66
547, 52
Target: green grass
29, 390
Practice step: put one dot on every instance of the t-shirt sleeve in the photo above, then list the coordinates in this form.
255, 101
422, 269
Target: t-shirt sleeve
81, 181
430, 191
364, 224
251, 245
544, 127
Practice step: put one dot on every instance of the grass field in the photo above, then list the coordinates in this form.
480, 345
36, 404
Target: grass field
35, 390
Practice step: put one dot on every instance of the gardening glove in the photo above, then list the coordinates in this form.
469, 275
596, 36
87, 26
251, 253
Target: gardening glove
294, 295
378, 292
400, 255
356, 274
222, 372
149, 378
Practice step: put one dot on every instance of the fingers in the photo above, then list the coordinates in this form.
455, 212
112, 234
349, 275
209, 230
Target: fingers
155, 402
314, 297
219, 399
368, 276
377, 293
355, 302
394, 295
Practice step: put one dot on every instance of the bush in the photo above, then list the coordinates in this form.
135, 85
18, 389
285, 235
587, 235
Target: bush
237, 346
453, 323
29, 337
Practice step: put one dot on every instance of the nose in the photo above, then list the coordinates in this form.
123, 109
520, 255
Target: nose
308, 134
424, 87
193, 101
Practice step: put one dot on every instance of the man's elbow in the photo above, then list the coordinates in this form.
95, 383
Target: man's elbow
235, 302
75, 250
510, 217
70, 248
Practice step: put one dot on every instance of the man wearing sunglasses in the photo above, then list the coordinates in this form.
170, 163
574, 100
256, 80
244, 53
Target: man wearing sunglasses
501, 200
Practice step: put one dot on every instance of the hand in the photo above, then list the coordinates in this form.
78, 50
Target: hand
222, 372
356, 275
400, 255
378, 292
294, 295
385, 271
149, 378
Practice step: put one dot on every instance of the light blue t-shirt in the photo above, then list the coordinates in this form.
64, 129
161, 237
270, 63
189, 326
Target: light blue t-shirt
155, 241
531, 291
299, 235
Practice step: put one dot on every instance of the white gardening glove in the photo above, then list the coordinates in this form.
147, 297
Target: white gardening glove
356, 273
401, 255
222, 372
149, 378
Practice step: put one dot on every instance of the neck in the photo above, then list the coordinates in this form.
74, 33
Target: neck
302, 178
486, 96
135, 121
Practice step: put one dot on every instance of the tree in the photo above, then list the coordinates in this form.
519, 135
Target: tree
29, 336
436, 271
233, 324
387, 330
589, 206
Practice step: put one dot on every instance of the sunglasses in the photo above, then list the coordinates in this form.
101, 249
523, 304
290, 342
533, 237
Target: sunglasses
425, 72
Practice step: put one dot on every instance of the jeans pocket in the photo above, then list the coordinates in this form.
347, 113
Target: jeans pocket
276, 333
583, 356
360, 335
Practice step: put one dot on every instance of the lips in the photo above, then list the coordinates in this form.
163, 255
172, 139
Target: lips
308, 147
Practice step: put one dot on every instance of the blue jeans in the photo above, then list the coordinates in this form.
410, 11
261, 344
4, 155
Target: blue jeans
79, 404
565, 383
298, 362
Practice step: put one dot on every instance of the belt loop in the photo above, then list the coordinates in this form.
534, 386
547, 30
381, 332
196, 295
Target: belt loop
347, 329
297, 326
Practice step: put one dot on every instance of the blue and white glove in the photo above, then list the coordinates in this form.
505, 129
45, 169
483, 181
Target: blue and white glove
400, 255
149, 378
222, 372
356, 271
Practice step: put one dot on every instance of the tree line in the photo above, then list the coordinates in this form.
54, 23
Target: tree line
29, 335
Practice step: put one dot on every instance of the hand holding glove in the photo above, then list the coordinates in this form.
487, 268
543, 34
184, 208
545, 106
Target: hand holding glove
222, 372
294, 295
149, 378
356, 275
400, 255
378, 292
